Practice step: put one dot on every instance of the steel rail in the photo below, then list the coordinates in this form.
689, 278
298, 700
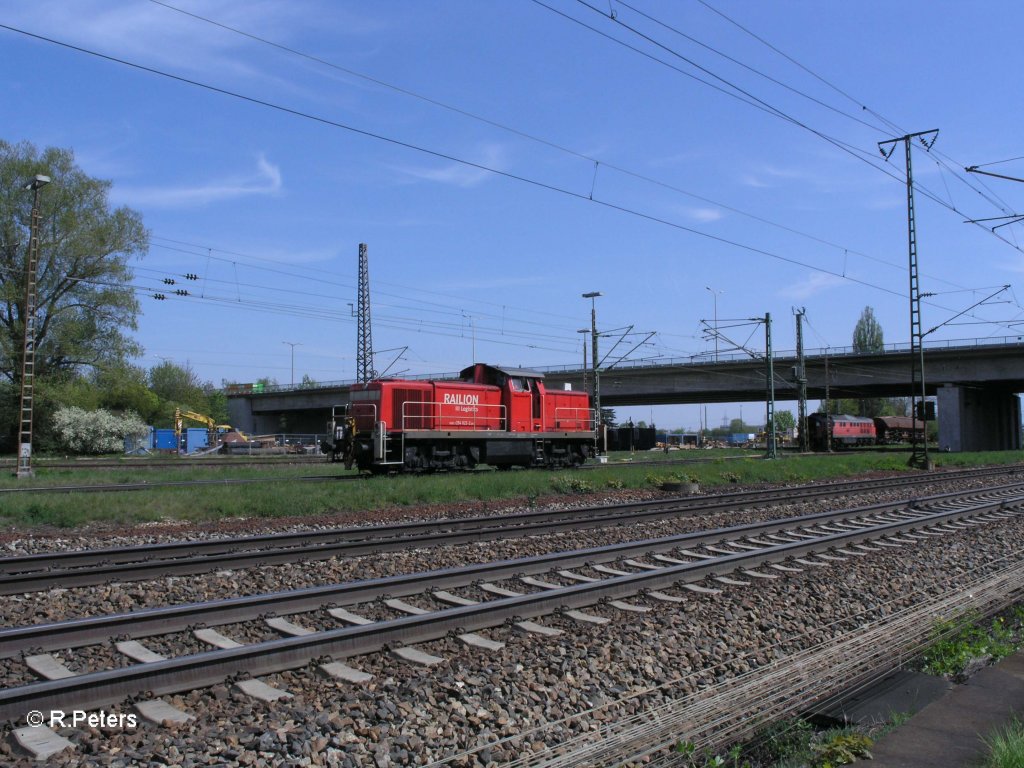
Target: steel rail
34, 572
96, 689
144, 486
155, 621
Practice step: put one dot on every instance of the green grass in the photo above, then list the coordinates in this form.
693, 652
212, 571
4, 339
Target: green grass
287, 496
959, 641
1006, 746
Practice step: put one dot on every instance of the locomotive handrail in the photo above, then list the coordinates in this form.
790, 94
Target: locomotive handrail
436, 419
575, 418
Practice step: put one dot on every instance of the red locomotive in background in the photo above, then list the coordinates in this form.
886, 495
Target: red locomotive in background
849, 431
503, 417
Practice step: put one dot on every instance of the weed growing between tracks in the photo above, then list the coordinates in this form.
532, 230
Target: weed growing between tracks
284, 494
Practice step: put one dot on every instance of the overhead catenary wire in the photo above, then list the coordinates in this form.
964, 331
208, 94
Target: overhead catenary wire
514, 176
893, 127
850, 149
479, 166
526, 135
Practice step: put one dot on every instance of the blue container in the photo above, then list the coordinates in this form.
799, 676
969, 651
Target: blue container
165, 440
196, 438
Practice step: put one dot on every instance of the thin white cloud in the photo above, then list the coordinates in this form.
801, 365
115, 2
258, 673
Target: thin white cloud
772, 175
1017, 265
814, 283
265, 181
162, 37
705, 214
458, 174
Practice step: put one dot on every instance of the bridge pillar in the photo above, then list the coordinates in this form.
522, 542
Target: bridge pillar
978, 418
240, 414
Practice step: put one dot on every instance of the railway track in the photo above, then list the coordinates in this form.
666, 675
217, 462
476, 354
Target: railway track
703, 562
88, 567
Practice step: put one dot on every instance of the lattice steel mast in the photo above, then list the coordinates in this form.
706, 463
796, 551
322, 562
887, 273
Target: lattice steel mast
919, 457
801, 382
769, 406
28, 353
364, 336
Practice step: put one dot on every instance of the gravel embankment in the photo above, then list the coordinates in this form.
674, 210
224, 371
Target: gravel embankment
409, 715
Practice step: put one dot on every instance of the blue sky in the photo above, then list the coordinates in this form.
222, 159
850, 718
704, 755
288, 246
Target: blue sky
587, 166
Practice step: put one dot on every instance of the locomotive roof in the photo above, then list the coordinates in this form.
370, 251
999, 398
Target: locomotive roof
523, 372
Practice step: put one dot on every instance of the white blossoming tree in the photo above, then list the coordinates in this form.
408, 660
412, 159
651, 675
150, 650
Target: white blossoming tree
92, 432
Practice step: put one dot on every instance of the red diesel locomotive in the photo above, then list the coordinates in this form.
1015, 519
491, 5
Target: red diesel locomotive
503, 417
858, 430
846, 431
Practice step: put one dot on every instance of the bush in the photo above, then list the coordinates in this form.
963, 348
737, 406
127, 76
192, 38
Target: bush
91, 432
570, 485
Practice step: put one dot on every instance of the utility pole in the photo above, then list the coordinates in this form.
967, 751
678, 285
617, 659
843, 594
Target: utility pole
770, 393
364, 340
598, 421
919, 457
586, 379
828, 408
801, 381
715, 294
28, 352
293, 345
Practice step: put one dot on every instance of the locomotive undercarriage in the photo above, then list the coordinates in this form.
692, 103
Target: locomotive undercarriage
429, 454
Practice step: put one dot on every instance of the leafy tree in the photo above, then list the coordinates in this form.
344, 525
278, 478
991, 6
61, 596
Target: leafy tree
217, 399
126, 388
737, 426
784, 420
177, 384
608, 417
868, 337
85, 301
867, 334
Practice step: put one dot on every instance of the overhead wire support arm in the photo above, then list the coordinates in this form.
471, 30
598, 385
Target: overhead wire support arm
965, 311
625, 332
974, 169
1014, 218
644, 340
400, 350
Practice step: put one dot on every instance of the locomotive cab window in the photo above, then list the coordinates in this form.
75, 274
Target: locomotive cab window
519, 384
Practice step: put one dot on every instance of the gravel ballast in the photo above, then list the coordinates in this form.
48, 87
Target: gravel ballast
409, 715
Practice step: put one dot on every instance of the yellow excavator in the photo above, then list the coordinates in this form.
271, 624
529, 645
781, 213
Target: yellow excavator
211, 425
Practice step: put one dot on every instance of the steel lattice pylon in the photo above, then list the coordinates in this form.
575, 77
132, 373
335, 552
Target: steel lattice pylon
28, 357
801, 383
919, 457
364, 336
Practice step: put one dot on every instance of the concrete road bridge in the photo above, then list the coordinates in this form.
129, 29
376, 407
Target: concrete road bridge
975, 383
